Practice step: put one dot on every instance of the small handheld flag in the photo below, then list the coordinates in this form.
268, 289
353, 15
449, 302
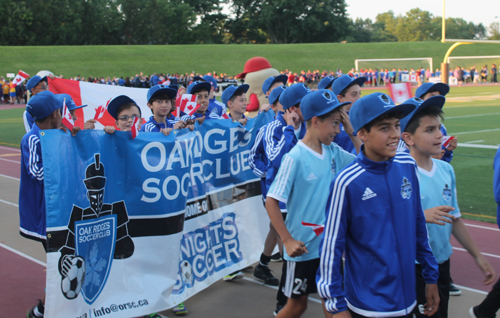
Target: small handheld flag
188, 104
318, 229
20, 77
447, 140
135, 127
67, 120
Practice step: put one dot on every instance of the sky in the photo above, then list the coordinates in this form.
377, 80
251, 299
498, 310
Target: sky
485, 12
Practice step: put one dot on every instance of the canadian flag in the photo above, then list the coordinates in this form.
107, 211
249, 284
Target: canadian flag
447, 140
188, 104
67, 119
318, 229
400, 92
100, 111
20, 77
135, 127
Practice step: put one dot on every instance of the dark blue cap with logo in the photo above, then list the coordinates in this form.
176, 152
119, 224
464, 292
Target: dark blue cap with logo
34, 81
370, 107
276, 93
70, 103
199, 85
117, 102
273, 79
43, 104
425, 88
231, 90
293, 95
326, 82
318, 103
345, 81
420, 105
161, 89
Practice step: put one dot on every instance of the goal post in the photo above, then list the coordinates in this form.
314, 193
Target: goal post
408, 63
469, 61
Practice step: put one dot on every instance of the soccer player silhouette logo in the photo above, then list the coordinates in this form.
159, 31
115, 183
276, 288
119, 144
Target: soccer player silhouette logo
96, 235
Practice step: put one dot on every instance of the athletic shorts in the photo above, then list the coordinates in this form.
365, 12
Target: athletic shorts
13, 94
300, 278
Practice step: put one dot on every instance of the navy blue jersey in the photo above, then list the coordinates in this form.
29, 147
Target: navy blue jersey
375, 216
31, 190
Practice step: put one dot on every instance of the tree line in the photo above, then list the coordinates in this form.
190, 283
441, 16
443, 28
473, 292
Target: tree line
108, 22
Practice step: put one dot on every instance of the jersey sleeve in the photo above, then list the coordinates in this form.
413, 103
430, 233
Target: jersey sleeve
425, 257
454, 202
32, 158
283, 183
329, 274
278, 143
343, 158
255, 162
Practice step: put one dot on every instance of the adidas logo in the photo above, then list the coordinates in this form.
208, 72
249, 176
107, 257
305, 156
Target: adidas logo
311, 177
368, 194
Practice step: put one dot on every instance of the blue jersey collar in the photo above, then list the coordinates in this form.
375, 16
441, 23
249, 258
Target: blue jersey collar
373, 166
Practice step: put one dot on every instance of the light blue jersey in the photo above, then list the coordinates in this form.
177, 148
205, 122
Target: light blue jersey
303, 183
438, 187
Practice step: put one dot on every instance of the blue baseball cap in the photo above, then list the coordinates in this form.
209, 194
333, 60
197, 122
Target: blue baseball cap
293, 95
319, 103
197, 85
345, 81
211, 80
117, 102
174, 86
43, 104
161, 89
273, 79
34, 82
275, 94
231, 90
197, 78
326, 82
370, 107
70, 103
420, 105
442, 88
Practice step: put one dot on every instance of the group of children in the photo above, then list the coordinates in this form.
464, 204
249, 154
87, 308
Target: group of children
328, 158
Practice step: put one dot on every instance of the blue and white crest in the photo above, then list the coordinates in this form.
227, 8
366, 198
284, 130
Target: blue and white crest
334, 165
406, 189
447, 193
95, 242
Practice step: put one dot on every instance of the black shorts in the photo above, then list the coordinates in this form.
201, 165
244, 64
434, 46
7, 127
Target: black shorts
300, 278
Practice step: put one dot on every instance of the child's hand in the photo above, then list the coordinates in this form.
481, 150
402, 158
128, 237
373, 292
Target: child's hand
291, 119
344, 117
110, 129
438, 157
265, 107
243, 121
453, 144
295, 248
487, 270
200, 120
182, 91
166, 131
191, 127
439, 215
89, 124
179, 125
432, 297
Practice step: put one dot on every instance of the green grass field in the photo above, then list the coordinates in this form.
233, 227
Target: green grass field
129, 60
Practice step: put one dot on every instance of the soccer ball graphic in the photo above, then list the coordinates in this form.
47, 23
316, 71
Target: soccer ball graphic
73, 276
187, 272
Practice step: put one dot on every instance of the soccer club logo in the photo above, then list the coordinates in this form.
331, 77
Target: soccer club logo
96, 235
406, 189
334, 165
447, 193
384, 98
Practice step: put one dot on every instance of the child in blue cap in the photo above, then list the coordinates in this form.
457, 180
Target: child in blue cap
374, 217
302, 183
235, 99
202, 91
45, 109
439, 198
70, 103
161, 100
214, 106
35, 85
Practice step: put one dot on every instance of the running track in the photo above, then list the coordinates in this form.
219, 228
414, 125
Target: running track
18, 273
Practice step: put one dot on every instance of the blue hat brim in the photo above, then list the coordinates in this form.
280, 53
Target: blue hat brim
115, 104
442, 88
405, 109
204, 85
77, 107
326, 82
169, 91
438, 101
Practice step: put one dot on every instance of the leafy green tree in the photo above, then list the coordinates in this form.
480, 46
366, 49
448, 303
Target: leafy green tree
494, 30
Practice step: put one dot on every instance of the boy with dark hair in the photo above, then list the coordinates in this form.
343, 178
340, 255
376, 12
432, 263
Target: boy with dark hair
160, 99
348, 89
302, 183
421, 132
375, 216
45, 109
235, 99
